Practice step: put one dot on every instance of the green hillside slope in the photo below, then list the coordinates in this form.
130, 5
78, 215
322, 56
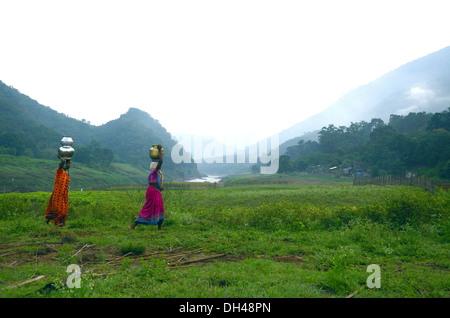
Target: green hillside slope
23, 174
30, 129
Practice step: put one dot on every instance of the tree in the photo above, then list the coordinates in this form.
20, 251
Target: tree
12, 144
94, 155
410, 123
387, 150
302, 149
285, 164
440, 121
432, 148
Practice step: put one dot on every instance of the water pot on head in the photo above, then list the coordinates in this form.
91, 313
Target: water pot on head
154, 152
66, 149
67, 141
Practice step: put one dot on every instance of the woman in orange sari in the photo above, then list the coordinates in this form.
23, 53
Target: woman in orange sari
59, 201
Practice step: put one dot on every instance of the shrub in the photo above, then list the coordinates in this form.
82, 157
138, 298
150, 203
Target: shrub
133, 248
415, 207
340, 281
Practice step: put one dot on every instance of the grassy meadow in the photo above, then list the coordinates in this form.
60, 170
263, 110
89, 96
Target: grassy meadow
256, 240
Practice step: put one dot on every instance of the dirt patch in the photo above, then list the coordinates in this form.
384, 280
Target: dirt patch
292, 259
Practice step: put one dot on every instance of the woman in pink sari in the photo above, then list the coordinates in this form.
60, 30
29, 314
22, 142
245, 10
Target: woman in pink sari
152, 212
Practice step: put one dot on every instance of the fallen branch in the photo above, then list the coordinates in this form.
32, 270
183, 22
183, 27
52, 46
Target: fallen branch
148, 256
182, 255
15, 244
354, 293
12, 264
8, 253
27, 281
85, 245
196, 260
116, 259
50, 247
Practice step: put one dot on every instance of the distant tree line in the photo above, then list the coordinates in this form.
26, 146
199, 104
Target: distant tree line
416, 142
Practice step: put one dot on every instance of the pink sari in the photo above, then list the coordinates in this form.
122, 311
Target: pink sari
153, 210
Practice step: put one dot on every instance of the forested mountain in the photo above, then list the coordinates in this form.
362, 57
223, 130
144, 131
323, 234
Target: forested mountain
422, 85
30, 129
417, 142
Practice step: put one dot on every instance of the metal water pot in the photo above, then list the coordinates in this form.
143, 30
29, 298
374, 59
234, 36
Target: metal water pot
154, 152
66, 141
66, 149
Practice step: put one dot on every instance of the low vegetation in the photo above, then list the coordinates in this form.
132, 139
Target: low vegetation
239, 241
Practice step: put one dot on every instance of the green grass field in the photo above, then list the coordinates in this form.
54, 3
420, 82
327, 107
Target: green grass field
263, 240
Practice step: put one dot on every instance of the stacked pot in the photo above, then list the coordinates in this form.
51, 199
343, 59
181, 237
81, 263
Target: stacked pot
66, 149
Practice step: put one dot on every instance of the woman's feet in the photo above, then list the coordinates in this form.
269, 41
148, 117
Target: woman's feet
132, 226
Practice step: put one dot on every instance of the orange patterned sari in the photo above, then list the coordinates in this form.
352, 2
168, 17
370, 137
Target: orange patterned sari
59, 201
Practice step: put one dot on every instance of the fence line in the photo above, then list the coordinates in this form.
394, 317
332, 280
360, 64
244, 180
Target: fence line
415, 181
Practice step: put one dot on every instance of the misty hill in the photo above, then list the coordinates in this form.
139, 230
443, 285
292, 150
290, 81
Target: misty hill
422, 85
30, 129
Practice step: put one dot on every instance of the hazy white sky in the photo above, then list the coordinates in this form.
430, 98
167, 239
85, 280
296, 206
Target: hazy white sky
211, 68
